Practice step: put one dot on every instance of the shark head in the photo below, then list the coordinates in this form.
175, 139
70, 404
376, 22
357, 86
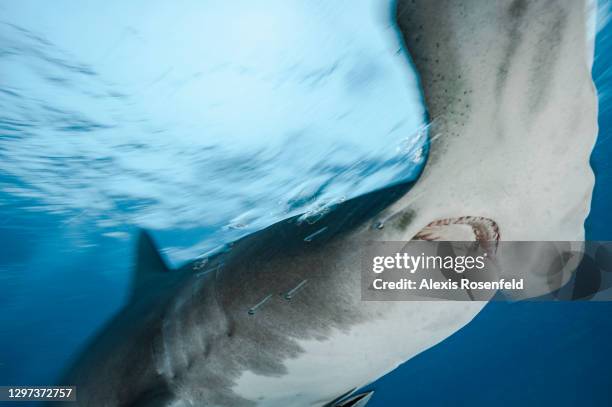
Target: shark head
513, 114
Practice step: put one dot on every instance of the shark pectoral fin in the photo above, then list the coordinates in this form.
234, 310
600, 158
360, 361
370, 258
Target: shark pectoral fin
335, 402
358, 400
149, 264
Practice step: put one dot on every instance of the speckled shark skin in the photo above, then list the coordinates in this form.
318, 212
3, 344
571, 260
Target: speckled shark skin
278, 320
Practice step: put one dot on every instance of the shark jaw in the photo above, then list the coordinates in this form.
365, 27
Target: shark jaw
464, 228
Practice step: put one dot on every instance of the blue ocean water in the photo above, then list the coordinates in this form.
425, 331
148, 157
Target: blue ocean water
93, 148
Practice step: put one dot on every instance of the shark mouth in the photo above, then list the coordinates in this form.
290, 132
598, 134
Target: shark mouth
465, 228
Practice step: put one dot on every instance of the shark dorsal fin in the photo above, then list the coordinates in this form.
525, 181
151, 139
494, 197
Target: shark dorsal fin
149, 263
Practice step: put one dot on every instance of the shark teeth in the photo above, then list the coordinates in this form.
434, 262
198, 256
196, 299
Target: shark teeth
464, 228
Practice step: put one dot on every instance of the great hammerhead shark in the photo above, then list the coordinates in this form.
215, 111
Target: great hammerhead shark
277, 319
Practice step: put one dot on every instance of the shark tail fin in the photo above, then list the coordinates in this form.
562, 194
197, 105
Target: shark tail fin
149, 264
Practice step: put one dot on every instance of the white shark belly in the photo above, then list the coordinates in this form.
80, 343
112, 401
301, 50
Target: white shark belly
349, 359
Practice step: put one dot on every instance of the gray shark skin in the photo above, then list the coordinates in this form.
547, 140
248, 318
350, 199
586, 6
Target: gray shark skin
208, 313
277, 318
